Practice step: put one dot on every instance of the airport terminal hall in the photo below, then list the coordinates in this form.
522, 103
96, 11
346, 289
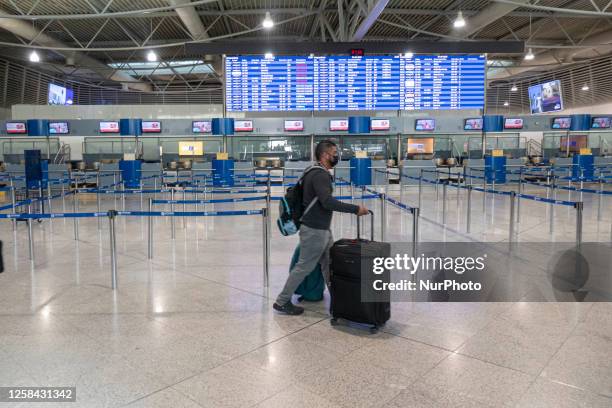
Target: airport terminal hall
306, 204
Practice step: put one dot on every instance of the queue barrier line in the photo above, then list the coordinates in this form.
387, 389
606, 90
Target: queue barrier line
40, 199
399, 204
568, 188
132, 213
211, 201
506, 193
393, 201
188, 213
363, 197
33, 200
547, 200
158, 191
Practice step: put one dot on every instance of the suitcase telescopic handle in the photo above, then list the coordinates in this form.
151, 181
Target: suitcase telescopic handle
371, 226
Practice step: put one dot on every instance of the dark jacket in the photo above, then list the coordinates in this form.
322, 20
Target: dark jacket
318, 183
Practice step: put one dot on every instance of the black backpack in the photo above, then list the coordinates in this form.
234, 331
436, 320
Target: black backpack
291, 208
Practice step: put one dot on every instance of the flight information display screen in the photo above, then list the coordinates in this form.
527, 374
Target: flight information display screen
329, 83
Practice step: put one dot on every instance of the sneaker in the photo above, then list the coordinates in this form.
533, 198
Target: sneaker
288, 308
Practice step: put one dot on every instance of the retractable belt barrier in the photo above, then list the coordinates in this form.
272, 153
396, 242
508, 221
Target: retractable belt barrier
211, 201
505, 193
112, 214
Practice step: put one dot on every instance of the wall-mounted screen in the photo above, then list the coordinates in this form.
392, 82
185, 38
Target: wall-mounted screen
373, 82
58, 128
380, 124
421, 146
243, 125
191, 148
546, 97
576, 142
201, 126
561, 123
338, 124
16, 128
600, 122
109, 127
425, 124
59, 95
473, 124
151, 126
294, 125
513, 123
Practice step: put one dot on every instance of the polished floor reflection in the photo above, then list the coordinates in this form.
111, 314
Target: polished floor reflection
193, 327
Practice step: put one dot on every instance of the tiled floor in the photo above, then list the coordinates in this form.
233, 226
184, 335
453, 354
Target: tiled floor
193, 327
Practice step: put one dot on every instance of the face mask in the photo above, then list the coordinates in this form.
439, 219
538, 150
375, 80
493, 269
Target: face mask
334, 160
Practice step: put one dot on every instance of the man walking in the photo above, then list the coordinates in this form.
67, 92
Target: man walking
315, 234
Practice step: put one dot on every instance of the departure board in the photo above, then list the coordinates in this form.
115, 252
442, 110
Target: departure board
329, 83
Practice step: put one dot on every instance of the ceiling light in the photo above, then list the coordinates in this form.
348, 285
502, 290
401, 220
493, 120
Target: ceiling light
514, 88
506, 103
267, 22
34, 57
151, 56
459, 21
529, 56
585, 87
268, 55
408, 54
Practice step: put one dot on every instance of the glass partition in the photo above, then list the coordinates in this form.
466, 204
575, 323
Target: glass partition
13, 147
285, 147
377, 147
565, 144
148, 147
211, 145
96, 149
513, 145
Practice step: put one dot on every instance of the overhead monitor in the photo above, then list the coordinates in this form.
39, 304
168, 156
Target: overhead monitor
191, 148
151, 126
201, 126
425, 124
243, 125
546, 97
338, 124
16, 128
473, 124
380, 124
424, 145
342, 82
58, 128
59, 95
513, 123
576, 142
600, 122
561, 123
109, 127
294, 125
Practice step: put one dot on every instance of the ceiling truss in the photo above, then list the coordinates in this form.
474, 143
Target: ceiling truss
117, 31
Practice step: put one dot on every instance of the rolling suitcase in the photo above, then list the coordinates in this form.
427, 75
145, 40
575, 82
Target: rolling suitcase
347, 258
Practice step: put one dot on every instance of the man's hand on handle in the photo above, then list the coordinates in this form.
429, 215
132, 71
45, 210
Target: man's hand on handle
362, 211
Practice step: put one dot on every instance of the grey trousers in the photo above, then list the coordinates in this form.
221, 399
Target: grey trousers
314, 248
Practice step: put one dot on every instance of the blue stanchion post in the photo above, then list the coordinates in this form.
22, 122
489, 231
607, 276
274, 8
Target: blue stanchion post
113, 248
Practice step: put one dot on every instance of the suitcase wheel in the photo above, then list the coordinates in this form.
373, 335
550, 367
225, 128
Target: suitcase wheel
333, 321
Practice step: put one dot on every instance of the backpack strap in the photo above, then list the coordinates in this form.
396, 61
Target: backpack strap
314, 201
